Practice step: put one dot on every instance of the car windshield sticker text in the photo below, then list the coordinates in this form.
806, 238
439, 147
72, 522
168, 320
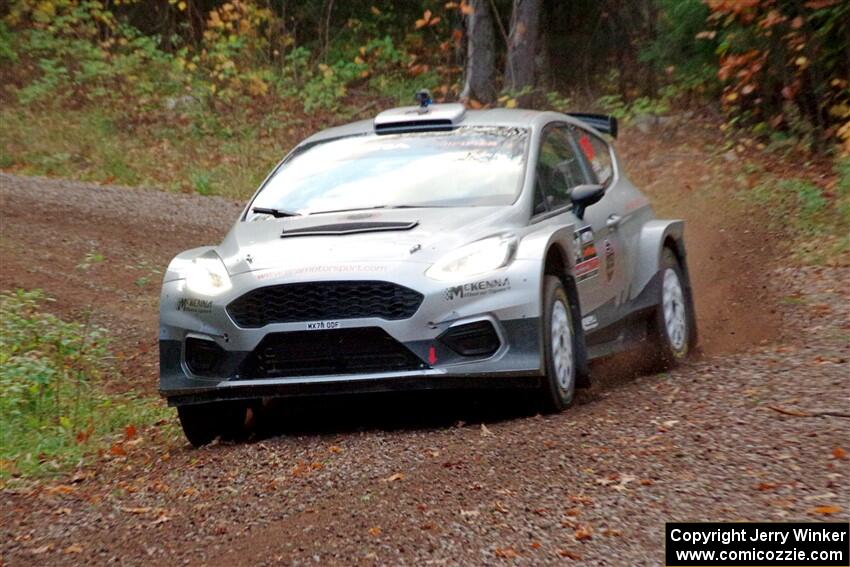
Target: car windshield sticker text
194, 305
586, 259
475, 289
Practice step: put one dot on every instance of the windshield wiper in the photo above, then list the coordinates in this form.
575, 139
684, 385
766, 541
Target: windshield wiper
347, 210
369, 209
276, 213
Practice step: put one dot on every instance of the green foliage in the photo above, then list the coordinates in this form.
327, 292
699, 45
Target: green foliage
783, 65
679, 51
628, 111
7, 48
557, 102
53, 411
202, 182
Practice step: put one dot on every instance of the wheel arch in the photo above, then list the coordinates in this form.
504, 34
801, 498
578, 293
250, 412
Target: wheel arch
655, 237
559, 262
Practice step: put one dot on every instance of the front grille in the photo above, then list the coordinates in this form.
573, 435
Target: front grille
317, 301
338, 351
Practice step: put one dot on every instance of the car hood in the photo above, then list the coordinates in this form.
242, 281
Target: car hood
412, 235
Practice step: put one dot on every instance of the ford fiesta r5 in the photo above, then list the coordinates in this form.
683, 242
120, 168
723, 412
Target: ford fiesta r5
430, 247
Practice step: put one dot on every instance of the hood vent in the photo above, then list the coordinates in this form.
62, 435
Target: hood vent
339, 229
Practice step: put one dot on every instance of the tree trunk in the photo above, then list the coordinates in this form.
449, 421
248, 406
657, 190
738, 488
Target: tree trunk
520, 70
479, 82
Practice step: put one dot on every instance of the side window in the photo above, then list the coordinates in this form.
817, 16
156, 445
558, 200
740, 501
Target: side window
598, 156
558, 167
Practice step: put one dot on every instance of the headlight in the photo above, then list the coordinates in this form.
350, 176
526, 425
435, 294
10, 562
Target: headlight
477, 258
207, 275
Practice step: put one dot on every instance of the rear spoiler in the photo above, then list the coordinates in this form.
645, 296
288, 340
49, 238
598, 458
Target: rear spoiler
602, 122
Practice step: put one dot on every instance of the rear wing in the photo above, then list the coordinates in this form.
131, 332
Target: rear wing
601, 122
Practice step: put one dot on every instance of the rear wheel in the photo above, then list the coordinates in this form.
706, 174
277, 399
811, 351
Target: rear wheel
670, 328
204, 422
558, 387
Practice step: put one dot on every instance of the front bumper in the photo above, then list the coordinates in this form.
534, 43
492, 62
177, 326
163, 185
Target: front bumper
510, 304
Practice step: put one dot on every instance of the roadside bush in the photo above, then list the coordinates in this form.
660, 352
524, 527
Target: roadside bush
53, 409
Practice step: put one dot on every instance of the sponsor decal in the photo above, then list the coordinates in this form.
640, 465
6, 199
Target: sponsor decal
322, 325
586, 259
476, 289
194, 305
589, 322
609, 260
320, 269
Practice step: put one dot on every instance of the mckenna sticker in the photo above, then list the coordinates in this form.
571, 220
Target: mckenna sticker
194, 305
475, 289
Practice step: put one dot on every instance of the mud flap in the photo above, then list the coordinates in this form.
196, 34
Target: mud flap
582, 367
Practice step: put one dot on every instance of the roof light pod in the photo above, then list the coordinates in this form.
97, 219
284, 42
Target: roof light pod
422, 118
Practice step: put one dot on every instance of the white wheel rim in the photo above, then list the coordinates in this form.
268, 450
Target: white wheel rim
562, 345
673, 303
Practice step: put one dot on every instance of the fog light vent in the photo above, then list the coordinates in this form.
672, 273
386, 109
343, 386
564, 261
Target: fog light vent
202, 356
472, 339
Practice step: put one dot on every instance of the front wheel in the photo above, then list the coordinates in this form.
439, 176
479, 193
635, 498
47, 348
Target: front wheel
202, 423
558, 387
670, 328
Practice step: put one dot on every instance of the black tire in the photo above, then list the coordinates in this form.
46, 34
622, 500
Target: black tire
554, 395
202, 423
669, 351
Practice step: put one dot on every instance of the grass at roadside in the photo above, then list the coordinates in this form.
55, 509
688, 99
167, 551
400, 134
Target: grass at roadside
816, 218
192, 151
54, 412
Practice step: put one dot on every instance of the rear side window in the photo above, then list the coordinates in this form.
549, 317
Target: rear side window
598, 156
559, 168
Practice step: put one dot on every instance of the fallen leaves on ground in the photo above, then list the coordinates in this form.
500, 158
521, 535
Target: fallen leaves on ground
839, 453
825, 510
583, 533
60, 489
375, 531
130, 432
506, 552
393, 478
569, 554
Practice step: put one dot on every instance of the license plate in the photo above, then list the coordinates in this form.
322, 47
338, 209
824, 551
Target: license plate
322, 325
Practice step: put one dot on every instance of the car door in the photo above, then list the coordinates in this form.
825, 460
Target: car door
608, 219
625, 210
560, 168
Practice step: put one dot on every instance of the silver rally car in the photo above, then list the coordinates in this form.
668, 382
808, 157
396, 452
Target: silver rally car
430, 247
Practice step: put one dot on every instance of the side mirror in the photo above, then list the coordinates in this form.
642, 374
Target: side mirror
583, 196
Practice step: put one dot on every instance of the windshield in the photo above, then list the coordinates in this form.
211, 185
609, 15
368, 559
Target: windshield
462, 168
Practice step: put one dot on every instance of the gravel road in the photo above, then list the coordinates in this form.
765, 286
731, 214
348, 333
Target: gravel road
444, 480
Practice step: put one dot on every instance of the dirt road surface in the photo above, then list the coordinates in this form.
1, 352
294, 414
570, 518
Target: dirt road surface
447, 479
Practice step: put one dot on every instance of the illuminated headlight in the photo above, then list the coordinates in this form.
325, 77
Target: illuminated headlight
477, 258
207, 275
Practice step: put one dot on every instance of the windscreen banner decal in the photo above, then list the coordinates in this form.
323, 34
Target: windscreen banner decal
586, 260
